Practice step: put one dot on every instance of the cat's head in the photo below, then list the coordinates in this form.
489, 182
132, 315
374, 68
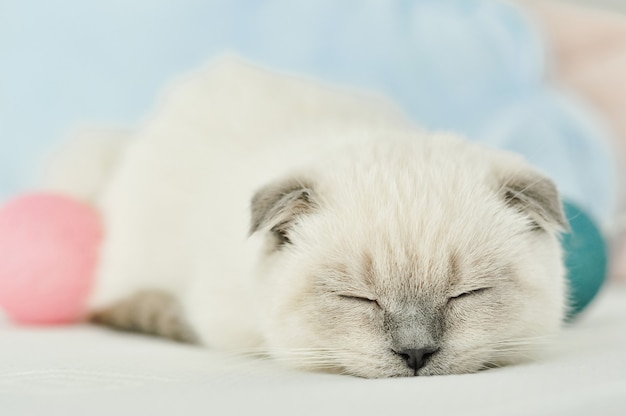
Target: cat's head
403, 257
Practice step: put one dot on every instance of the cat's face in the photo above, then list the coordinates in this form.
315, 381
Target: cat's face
411, 258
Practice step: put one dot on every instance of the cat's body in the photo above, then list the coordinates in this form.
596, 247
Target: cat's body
375, 249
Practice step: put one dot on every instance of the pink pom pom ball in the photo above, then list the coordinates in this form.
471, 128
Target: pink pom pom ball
49, 247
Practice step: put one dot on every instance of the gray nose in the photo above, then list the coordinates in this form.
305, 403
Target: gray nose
416, 357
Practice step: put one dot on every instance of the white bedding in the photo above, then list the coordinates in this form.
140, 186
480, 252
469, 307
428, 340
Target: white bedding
92, 371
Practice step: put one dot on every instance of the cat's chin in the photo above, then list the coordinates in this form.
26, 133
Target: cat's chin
375, 372
386, 367
396, 373
434, 369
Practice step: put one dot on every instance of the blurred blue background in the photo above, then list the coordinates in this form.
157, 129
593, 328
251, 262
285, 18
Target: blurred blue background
472, 66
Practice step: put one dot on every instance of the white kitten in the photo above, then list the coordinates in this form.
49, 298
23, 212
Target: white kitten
376, 250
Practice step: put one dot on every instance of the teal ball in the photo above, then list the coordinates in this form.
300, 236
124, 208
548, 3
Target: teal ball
586, 259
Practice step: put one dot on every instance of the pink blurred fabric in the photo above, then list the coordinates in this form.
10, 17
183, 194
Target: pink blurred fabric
50, 245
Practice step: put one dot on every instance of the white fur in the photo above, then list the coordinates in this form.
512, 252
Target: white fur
176, 206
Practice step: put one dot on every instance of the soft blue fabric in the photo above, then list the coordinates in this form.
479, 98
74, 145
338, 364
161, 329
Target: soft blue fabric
472, 66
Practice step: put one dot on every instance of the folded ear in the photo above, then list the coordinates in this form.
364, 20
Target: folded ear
278, 205
536, 195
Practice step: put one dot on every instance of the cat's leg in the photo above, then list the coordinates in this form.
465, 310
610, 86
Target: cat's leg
152, 312
82, 166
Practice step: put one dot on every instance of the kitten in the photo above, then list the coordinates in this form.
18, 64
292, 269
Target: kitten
374, 249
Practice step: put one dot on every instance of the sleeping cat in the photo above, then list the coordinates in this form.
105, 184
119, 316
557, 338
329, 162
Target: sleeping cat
262, 212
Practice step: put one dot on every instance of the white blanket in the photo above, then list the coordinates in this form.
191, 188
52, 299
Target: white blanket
92, 371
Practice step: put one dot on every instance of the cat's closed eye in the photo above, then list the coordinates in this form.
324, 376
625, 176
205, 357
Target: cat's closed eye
361, 299
468, 294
